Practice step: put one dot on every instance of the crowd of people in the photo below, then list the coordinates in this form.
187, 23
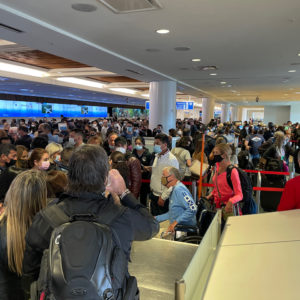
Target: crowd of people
96, 167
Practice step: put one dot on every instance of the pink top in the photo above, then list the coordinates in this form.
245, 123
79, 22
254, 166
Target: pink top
225, 192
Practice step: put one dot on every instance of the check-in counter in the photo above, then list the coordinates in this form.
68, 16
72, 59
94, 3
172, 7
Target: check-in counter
257, 258
157, 264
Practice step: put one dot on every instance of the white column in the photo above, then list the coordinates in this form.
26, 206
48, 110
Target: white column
162, 104
208, 107
234, 113
225, 113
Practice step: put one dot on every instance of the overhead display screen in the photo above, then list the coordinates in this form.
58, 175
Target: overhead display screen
24, 109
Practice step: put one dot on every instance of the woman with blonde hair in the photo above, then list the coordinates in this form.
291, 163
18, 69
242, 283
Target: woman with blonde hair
54, 150
26, 196
222, 194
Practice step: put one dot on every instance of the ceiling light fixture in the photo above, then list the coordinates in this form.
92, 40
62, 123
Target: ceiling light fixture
123, 90
299, 54
22, 70
146, 95
196, 59
223, 82
84, 82
213, 74
292, 71
229, 85
162, 31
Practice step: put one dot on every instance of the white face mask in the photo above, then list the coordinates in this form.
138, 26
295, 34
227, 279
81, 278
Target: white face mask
121, 149
72, 141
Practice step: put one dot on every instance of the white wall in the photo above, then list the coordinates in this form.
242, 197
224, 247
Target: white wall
295, 112
277, 114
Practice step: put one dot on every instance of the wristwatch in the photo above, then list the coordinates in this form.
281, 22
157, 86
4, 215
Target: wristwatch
126, 192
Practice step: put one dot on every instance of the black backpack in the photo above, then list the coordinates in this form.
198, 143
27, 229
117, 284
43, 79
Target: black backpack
82, 261
247, 205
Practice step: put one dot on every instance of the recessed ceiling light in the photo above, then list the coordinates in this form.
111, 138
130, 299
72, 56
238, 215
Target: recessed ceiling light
299, 54
196, 59
22, 70
84, 7
223, 82
207, 68
229, 85
79, 81
213, 74
182, 48
162, 31
292, 71
123, 90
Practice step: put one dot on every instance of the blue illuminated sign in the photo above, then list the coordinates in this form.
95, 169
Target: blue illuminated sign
179, 105
33, 109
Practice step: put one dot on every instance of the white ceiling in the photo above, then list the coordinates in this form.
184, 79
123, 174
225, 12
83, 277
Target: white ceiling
253, 43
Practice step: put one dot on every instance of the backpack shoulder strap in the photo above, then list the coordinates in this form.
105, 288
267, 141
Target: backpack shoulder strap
55, 216
109, 215
228, 175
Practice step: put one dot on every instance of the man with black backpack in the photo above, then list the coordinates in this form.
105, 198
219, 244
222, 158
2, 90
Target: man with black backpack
79, 247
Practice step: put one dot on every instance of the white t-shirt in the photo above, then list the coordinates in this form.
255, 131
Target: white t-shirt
183, 156
160, 162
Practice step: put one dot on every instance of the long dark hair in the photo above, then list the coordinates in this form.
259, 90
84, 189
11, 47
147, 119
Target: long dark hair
119, 163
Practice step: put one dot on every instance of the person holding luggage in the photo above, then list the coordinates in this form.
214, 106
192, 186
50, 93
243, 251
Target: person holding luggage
85, 202
222, 194
25, 197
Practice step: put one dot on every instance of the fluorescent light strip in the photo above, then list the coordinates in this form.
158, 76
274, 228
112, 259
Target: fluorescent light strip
79, 81
123, 90
21, 70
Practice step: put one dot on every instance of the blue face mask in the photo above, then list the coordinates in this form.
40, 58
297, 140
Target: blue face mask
157, 149
138, 147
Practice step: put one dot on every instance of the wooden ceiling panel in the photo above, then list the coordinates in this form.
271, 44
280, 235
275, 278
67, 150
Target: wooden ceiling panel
114, 79
41, 59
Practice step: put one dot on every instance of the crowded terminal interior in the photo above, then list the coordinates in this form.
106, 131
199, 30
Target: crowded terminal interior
149, 149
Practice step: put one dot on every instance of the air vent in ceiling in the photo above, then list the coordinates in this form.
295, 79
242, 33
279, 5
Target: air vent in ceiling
129, 6
7, 27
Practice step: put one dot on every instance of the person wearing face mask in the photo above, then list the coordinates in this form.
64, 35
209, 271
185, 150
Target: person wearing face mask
54, 150
15, 168
135, 178
76, 138
128, 131
8, 156
39, 159
182, 208
146, 160
109, 144
163, 158
222, 194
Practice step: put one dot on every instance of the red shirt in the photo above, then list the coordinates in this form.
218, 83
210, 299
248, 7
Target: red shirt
290, 198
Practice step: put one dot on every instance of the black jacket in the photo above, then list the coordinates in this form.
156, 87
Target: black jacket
10, 282
136, 223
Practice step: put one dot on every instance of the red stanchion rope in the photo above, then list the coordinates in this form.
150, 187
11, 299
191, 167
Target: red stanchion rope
255, 188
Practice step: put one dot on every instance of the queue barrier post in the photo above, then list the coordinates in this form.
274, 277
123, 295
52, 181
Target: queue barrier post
194, 190
258, 184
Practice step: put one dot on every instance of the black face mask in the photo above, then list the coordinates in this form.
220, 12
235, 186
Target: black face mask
23, 163
11, 163
217, 158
